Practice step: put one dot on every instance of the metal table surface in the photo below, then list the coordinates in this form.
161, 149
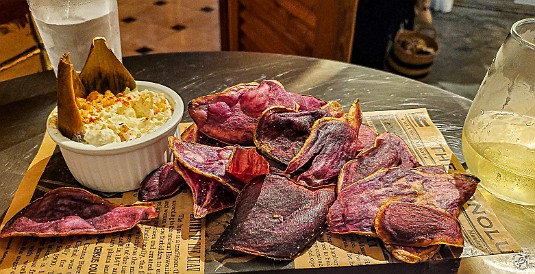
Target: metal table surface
25, 103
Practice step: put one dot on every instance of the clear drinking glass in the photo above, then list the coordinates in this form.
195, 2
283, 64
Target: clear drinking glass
499, 131
71, 25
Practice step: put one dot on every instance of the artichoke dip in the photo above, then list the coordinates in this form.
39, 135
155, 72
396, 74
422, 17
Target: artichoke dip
109, 118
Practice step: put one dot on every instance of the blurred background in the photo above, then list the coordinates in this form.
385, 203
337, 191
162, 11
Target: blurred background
462, 36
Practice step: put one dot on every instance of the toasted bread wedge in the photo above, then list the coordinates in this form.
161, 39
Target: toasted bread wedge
103, 71
69, 87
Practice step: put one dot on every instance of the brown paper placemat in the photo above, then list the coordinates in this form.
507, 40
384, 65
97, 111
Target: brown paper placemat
178, 243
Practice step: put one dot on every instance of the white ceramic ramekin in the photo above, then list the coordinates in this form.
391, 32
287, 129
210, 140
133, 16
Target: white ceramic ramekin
120, 167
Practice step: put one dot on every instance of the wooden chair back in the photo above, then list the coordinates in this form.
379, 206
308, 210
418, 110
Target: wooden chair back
21, 49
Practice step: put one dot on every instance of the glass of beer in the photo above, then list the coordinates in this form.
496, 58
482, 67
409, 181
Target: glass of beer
71, 25
499, 131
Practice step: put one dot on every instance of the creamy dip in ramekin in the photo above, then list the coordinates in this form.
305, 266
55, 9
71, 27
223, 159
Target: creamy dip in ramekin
120, 166
109, 118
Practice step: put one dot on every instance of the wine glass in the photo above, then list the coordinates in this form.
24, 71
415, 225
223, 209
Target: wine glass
499, 130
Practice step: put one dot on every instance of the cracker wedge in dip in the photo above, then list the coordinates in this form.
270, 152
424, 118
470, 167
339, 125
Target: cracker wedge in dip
103, 71
69, 87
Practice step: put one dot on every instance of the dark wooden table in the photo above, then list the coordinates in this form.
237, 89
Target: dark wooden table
25, 103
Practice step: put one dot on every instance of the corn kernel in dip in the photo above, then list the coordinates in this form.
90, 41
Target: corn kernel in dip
109, 118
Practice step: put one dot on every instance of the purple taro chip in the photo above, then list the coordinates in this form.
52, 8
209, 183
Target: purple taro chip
275, 218
230, 116
207, 160
357, 205
193, 135
209, 195
213, 174
411, 254
418, 225
331, 143
70, 211
367, 137
162, 183
389, 151
281, 132
245, 164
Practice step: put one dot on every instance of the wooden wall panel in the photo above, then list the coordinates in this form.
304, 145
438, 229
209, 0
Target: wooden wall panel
316, 28
261, 25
